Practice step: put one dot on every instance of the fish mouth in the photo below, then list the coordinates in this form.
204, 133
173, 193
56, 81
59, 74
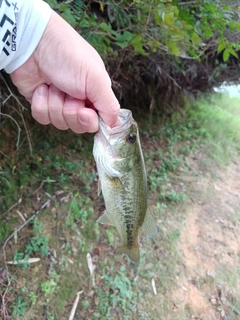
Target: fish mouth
125, 119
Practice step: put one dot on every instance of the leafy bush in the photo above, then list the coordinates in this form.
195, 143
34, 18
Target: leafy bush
145, 27
156, 50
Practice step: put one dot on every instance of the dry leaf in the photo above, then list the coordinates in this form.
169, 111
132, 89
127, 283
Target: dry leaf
91, 268
154, 286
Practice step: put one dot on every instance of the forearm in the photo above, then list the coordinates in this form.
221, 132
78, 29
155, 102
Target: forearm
22, 24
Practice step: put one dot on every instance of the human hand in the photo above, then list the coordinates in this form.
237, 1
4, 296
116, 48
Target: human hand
66, 82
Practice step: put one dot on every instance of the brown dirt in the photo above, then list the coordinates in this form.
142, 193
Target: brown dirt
208, 283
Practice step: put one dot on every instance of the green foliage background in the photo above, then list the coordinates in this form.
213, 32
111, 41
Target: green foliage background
156, 50
167, 26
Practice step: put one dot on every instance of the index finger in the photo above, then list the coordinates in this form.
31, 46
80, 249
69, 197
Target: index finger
109, 113
101, 95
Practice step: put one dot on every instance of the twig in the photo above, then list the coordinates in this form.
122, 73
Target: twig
29, 260
20, 113
11, 93
189, 2
21, 216
26, 222
73, 311
3, 302
14, 205
27, 132
171, 78
42, 183
159, 70
19, 129
3, 154
8, 97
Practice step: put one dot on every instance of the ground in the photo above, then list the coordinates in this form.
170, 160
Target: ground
190, 270
208, 279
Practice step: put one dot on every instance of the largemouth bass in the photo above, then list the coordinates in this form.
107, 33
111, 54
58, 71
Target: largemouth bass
122, 180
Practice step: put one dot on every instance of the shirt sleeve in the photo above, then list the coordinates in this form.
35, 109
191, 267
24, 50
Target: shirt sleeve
22, 24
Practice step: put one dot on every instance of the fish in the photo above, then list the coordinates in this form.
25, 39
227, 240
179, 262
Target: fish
123, 182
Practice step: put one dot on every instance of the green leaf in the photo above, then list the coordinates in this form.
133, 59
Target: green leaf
232, 26
221, 46
53, 3
173, 48
195, 39
137, 43
63, 7
207, 33
69, 17
226, 55
106, 27
187, 26
232, 52
5, 230
176, 11
157, 18
126, 36
210, 7
168, 18
122, 45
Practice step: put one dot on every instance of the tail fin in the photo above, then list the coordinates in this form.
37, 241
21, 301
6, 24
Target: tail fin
132, 253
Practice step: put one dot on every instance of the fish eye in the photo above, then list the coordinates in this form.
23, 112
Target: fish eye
131, 138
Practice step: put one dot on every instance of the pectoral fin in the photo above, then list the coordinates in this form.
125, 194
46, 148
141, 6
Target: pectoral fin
133, 253
105, 218
149, 226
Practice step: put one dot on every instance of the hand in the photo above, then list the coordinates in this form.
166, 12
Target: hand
66, 82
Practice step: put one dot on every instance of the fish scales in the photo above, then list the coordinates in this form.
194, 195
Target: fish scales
121, 169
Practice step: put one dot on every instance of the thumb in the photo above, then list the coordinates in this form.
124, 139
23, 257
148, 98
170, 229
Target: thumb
101, 95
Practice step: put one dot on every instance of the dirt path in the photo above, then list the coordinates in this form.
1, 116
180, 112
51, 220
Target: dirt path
209, 279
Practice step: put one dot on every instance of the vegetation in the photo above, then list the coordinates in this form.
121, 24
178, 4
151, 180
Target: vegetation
165, 26
73, 253
51, 244
166, 46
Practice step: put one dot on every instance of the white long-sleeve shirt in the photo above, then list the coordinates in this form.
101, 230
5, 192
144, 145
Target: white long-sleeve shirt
22, 23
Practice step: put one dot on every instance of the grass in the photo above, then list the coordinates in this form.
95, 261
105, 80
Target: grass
37, 244
215, 123
61, 167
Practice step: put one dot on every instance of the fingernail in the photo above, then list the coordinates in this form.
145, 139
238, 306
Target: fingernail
42, 90
84, 119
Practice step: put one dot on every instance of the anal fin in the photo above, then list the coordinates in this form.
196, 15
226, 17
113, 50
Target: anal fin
105, 218
149, 226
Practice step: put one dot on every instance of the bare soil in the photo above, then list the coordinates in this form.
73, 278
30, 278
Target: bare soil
208, 281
